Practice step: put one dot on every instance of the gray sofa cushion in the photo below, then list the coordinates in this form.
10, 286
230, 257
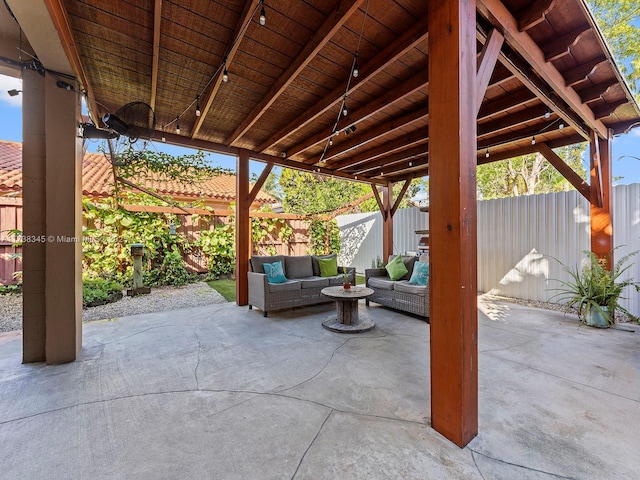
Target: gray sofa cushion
337, 280
314, 282
383, 283
298, 267
257, 263
408, 262
406, 287
316, 264
281, 287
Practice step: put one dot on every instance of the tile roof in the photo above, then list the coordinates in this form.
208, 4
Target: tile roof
97, 179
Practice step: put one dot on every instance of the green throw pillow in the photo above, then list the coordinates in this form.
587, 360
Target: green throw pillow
420, 274
396, 268
328, 266
274, 272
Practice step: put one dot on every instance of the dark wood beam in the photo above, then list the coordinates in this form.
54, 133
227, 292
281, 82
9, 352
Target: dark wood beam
243, 228
482, 158
401, 143
601, 211
388, 99
419, 169
561, 46
565, 170
595, 172
377, 133
376, 194
238, 34
512, 121
608, 108
504, 103
487, 63
581, 72
534, 13
387, 221
452, 219
258, 185
596, 91
392, 159
334, 21
157, 20
413, 36
523, 44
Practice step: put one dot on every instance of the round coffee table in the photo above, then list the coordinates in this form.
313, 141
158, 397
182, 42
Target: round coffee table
346, 319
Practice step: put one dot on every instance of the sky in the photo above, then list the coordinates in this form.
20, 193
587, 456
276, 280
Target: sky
626, 148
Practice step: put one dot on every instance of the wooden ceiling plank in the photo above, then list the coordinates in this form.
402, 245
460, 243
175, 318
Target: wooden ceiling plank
565, 170
380, 130
419, 169
333, 23
596, 92
607, 109
496, 157
581, 72
157, 19
487, 64
391, 97
61, 22
561, 46
504, 103
404, 155
498, 14
513, 120
534, 14
412, 37
238, 33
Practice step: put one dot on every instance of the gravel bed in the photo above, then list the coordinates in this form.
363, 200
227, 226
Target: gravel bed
160, 299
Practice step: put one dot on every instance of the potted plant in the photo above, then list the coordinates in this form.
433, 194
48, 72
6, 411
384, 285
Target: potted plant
346, 284
595, 291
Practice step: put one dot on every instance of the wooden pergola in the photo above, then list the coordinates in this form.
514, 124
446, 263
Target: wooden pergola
373, 91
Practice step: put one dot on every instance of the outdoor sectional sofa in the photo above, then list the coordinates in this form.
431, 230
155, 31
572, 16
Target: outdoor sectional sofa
398, 294
302, 287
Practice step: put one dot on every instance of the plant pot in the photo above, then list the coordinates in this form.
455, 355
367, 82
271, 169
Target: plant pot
594, 318
346, 286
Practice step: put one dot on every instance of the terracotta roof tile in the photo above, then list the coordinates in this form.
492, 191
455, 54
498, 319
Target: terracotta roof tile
97, 179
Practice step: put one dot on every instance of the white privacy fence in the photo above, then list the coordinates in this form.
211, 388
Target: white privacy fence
518, 240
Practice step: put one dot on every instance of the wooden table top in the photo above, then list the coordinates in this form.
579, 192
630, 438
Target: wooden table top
351, 293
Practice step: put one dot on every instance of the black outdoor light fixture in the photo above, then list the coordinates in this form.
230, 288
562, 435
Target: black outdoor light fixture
13, 92
115, 123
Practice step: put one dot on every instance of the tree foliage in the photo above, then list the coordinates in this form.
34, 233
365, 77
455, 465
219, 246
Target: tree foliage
619, 21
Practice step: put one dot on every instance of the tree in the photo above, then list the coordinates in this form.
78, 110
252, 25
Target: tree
527, 175
619, 21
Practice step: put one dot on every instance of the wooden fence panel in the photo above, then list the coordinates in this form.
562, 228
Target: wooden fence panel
10, 219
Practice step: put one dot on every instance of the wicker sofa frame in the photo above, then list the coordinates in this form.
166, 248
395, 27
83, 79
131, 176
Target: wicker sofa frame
415, 303
303, 287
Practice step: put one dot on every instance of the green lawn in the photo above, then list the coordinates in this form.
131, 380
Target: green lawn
226, 288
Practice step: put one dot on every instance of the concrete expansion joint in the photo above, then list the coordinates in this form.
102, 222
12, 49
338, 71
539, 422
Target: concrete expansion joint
504, 462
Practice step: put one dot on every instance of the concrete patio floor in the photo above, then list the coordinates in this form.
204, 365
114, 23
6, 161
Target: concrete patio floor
219, 392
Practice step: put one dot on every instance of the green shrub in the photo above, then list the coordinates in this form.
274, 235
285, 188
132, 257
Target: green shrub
10, 289
170, 272
98, 291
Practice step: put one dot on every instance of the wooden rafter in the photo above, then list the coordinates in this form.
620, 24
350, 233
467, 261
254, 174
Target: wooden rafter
534, 14
596, 92
157, 19
513, 121
561, 46
521, 42
376, 194
331, 25
400, 143
487, 63
236, 40
393, 96
403, 155
377, 133
580, 73
506, 102
608, 108
61, 22
414, 36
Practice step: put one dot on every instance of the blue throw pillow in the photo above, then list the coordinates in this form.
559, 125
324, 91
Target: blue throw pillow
420, 274
274, 272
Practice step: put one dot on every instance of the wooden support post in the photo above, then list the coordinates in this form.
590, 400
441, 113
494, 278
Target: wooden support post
243, 228
601, 208
387, 219
452, 218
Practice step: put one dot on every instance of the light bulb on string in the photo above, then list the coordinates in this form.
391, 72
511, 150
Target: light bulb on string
533, 140
198, 112
561, 126
547, 114
356, 70
263, 15
225, 75
178, 125
486, 154
345, 112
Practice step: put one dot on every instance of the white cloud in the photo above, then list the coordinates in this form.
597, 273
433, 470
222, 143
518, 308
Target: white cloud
9, 83
635, 131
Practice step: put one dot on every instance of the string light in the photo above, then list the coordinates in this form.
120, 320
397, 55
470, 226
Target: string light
263, 14
411, 164
331, 140
561, 126
533, 140
345, 112
225, 74
198, 112
547, 114
356, 70
486, 154
177, 125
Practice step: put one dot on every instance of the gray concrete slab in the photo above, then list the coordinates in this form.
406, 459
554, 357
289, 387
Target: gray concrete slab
221, 392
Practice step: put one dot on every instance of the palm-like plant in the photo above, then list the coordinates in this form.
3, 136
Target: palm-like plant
594, 287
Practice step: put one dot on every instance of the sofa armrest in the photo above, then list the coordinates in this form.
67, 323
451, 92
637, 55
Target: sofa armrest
351, 273
258, 287
374, 272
